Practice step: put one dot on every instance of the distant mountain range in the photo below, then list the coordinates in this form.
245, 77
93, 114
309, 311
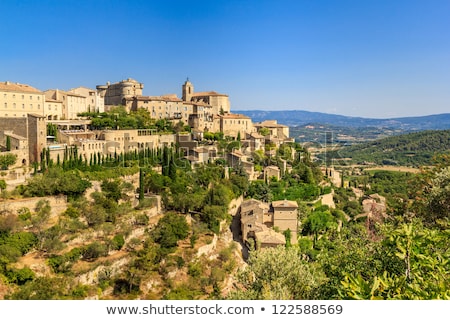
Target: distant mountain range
294, 118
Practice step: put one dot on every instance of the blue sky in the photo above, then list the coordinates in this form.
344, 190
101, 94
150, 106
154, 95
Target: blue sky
370, 58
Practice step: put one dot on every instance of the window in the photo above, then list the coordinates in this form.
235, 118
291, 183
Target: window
39, 106
31, 106
14, 105
31, 97
23, 97
6, 105
23, 106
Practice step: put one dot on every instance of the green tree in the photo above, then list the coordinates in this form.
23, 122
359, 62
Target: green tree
8, 143
422, 255
2, 185
170, 228
278, 274
141, 185
318, 222
7, 160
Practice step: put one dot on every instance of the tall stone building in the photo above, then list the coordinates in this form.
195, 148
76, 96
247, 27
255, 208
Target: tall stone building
94, 101
17, 100
72, 103
114, 94
33, 128
219, 102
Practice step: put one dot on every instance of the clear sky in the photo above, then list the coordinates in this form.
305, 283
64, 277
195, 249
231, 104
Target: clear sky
369, 58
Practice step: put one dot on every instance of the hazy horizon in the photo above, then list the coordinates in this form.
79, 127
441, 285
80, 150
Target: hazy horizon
372, 59
336, 114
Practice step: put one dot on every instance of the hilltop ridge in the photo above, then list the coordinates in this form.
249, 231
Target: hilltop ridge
301, 117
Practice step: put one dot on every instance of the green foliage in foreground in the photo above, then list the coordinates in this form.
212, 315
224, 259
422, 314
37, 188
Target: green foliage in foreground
278, 274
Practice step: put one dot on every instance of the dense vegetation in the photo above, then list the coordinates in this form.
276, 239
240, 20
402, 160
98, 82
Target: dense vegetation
119, 118
413, 149
340, 254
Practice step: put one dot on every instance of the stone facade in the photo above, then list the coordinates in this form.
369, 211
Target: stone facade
53, 109
33, 128
202, 111
19, 147
114, 94
58, 204
272, 172
258, 218
17, 100
94, 101
233, 125
72, 103
285, 216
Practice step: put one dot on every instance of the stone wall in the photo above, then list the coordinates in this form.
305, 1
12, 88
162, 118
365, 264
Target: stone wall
58, 204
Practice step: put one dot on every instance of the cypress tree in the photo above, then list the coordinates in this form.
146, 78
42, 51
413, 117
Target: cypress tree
141, 185
8, 143
43, 160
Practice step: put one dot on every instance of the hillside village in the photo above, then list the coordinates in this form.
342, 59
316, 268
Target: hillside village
42, 130
110, 194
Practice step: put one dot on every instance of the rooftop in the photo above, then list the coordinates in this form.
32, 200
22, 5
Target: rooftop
18, 87
284, 204
208, 93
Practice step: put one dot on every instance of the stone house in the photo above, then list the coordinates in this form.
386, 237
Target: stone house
258, 220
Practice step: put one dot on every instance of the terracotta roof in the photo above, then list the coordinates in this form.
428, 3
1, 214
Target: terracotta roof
234, 116
208, 93
157, 98
201, 150
18, 87
270, 237
15, 136
256, 135
252, 204
284, 204
72, 94
269, 124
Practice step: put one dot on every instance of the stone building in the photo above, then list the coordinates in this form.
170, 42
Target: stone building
19, 146
33, 128
114, 94
219, 102
53, 109
258, 220
233, 125
276, 130
17, 100
94, 101
285, 216
197, 109
253, 214
272, 172
278, 133
72, 103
